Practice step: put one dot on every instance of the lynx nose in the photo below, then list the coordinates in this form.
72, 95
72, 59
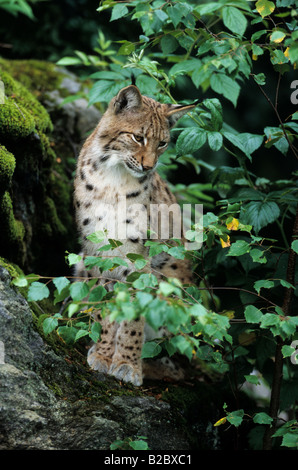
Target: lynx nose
147, 167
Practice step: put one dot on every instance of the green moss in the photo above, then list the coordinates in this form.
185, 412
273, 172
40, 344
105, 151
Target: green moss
15, 122
21, 113
37, 76
9, 226
7, 167
13, 269
12, 231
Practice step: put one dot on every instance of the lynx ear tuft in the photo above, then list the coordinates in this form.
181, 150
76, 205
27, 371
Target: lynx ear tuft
128, 98
177, 111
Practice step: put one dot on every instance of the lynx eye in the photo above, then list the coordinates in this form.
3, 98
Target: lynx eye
162, 144
139, 139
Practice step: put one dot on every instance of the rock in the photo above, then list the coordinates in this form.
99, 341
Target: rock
40, 140
51, 400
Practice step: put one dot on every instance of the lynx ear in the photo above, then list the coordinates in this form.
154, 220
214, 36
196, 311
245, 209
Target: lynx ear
176, 111
127, 98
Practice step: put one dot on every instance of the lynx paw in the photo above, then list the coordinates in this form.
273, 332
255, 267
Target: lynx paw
127, 373
98, 362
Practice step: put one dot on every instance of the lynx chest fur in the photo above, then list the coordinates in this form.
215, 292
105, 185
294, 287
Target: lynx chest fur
118, 191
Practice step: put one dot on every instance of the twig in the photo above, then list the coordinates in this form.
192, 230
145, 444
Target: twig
278, 117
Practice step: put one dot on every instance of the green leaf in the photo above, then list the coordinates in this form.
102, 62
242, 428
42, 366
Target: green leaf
139, 445
226, 86
103, 264
95, 331
250, 142
182, 345
262, 418
69, 61
276, 137
252, 314
258, 256
215, 140
270, 319
126, 48
177, 252
259, 214
73, 258
49, 325
72, 309
287, 351
20, 281
168, 44
239, 248
290, 440
150, 349
103, 91
293, 52
79, 290
176, 13
294, 246
97, 237
234, 20
190, 140
214, 105
97, 294
144, 298
235, 417
252, 379
60, 283
119, 10
140, 263
264, 283
37, 291
80, 334
145, 280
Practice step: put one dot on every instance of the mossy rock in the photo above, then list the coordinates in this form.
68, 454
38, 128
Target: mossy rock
7, 167
36, 76
36, 217
23, 111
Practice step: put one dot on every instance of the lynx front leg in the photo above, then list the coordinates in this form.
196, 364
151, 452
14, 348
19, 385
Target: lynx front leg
127, 363
100, 354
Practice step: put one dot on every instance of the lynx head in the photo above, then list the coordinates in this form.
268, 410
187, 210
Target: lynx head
135, 130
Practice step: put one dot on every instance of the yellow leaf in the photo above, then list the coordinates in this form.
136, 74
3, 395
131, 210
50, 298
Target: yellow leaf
88, 310
229, 313
233, 224
277, 36
254, 57
286, 53
226, 243
220, 422
265, 7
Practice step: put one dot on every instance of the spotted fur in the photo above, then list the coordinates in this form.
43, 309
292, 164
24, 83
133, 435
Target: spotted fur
116, 170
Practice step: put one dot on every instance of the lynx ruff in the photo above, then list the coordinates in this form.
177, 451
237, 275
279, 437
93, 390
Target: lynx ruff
118, 191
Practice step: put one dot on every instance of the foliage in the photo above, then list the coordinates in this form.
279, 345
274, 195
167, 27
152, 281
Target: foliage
241, 313
19, 6
128, 444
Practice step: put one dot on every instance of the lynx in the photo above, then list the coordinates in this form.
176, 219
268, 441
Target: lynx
115, 185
